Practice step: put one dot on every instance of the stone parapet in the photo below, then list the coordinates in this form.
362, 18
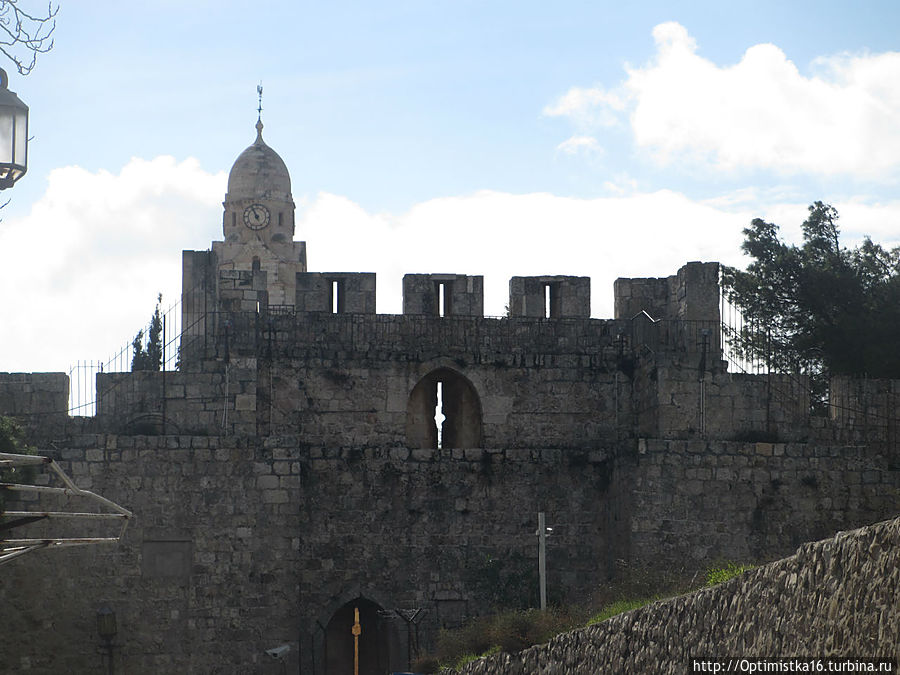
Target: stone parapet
40, 401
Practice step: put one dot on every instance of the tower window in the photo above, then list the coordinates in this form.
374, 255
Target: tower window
336, 293
444, 297
280, 219
551, 301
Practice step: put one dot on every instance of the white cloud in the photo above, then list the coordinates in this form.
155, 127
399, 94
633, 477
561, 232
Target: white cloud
82, 270
84, 267
580, 145
500, 235
588, 107
759, 113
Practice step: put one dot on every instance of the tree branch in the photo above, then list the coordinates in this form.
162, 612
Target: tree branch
24, 35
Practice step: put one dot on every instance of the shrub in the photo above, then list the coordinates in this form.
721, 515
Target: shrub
509, 631
426, 665
517, 630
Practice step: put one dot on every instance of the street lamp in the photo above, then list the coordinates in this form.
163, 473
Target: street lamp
13, 135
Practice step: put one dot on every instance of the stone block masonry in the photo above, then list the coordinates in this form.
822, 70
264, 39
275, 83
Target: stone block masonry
550, 297
833, 598
32, 395
311, 457
292, 467
239, 544
695, 501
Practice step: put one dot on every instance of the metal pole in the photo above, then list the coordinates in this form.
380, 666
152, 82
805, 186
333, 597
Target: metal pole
357, 629
163, 366
542, 557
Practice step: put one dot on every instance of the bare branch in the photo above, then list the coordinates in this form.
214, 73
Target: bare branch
24, 35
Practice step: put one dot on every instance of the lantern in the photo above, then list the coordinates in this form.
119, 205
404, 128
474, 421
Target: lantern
13, 135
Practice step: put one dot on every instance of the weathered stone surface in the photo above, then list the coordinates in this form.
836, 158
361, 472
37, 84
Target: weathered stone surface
833, 598
233, 551
292, 467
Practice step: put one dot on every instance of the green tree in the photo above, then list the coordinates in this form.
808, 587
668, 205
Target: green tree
149, 357
818, 308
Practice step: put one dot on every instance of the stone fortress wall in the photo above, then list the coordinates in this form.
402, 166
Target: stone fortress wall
241, 544
290, 467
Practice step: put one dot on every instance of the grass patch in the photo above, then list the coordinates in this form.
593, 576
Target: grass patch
466, 659
723, 572
620, 607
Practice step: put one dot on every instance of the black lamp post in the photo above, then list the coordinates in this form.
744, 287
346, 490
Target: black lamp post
107, 629
13, 135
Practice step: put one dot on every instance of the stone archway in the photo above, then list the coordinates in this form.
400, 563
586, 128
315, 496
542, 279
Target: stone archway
460, 406
375, 648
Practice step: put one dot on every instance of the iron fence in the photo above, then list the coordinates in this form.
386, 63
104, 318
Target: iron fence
83, 374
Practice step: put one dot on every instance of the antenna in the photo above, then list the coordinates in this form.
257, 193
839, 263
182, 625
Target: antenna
259, 107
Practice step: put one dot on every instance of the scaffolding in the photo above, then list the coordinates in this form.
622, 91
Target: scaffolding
12, 519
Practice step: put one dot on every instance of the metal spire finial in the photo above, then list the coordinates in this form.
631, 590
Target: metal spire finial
259, 124
259, 107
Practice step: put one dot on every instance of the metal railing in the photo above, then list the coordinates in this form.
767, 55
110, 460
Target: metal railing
83, 374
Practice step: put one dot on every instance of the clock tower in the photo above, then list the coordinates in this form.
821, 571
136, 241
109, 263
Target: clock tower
258, 222
259, 206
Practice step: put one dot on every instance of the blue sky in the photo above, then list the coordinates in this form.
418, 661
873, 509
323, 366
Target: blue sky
496, 138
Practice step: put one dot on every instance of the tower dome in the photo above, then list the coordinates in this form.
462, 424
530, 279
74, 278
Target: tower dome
258, 204
259, 173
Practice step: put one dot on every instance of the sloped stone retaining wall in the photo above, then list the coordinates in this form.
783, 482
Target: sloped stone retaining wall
836, 597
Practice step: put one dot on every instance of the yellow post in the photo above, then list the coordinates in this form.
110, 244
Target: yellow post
357, 629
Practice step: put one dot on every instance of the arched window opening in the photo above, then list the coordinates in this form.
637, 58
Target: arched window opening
443, 411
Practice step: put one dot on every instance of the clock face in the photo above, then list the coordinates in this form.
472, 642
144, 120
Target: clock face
256, 216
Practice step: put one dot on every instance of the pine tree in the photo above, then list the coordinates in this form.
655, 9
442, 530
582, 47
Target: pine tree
149, 357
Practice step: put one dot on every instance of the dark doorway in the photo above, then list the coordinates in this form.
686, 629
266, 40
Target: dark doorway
374, 640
